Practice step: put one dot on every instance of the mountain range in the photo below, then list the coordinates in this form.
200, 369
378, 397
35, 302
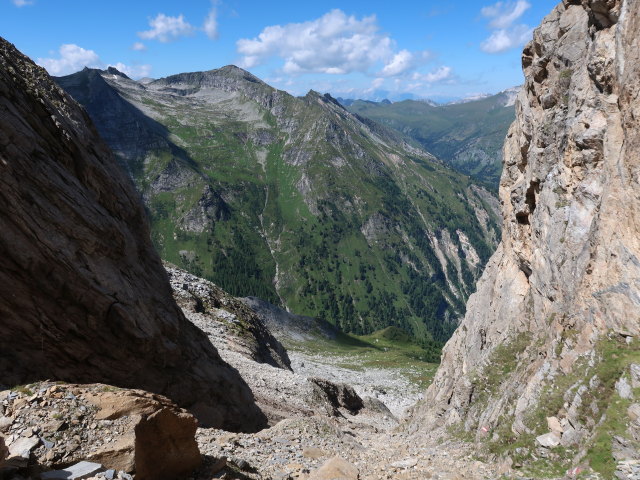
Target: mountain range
467, 135
295, 199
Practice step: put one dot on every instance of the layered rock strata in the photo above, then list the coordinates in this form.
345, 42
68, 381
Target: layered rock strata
556, 317
83, 295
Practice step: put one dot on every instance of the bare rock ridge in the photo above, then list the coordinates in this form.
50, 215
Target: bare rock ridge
555, 322
83, 295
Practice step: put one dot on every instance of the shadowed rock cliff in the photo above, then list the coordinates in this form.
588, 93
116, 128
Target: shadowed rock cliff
83, 295
549, 344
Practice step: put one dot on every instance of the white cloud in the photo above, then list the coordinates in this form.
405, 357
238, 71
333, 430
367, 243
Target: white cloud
503, 14
210, 26
505, 39
72, 58
505, 34
133, 71
400, 63
334, 43
23, 3
165, 28
438, 75
139, 46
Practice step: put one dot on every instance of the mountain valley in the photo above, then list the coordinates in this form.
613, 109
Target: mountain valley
204, 277
295, 200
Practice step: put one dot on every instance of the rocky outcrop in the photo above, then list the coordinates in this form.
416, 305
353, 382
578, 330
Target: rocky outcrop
83, 295
57, 425
334, 396
555, 322
209, 307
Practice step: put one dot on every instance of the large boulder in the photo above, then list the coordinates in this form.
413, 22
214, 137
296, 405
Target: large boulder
52, 426
83, 295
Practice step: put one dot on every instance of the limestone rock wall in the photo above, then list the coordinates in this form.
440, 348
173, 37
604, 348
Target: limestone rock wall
83, 295
563, 289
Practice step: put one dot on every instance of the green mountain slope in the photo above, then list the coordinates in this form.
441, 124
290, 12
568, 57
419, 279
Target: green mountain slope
467, 136
296, 200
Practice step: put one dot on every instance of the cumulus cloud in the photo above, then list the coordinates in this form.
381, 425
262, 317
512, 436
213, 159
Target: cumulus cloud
506, 34
139, 47
506, 39
210, 26
438, 75
400, 63
334, 43
133, 71
166, 29
72, 58
503, 14
23, 3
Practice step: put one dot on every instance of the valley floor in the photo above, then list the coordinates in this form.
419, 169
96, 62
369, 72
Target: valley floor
370, 442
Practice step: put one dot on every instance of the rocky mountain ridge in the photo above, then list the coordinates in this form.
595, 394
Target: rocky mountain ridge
549, 352
296, 200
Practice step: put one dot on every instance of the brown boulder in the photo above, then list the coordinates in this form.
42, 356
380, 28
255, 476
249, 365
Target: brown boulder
83, 295
159, 442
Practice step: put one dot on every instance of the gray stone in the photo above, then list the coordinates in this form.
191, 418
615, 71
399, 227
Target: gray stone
634, 368
571, 436
549, 440
22, 447
79, 471
634, 412
110, 474
406, 463
624, 389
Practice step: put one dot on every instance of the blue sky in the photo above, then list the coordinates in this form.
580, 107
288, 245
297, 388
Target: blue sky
354, 49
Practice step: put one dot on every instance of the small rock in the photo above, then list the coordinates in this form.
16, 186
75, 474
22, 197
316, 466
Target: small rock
78, 471
313, 452
406, 463
634, 368
634, 412
549, 440
554, 425
624, 388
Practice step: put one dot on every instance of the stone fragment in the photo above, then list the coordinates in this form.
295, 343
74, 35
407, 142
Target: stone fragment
335, 468
549, 440
624, 388
406, 463
634, 368
554, 425
79, 471
313, 452
5, 423
571, 437
634, 412
20, 450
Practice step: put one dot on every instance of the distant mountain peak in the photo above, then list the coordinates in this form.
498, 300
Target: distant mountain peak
115, 71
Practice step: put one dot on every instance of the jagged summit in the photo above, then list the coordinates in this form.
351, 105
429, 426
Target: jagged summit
216, 78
